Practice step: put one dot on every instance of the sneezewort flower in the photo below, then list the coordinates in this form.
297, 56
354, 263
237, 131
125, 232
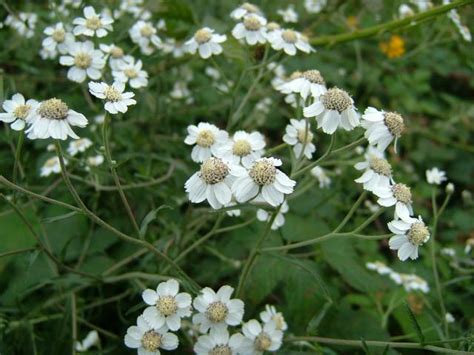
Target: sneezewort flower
244, 10
309, 82
57, 38
298, 134
435, 176
377, 171
252, 29
92, 23
262, 339
219, 342
243, 148
144, 35
207, 140
51, 166
279, 221
206, 42
115, 99
382, 127
270, 314
78, 146
129, 70
84, 60
289, 41
18, 111
398, 195
409, 235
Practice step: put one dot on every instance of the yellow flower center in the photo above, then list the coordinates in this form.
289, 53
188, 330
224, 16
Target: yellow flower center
272, 26
53, 109
130, 73
289, 36
151, 340
302, 134
116, 52
59, 35
263, 342
249, 7
380, 166
82, 60
214, 170
221, 350
111, 94
394, 123
167, 305
203, 36
217, 312
205, 138
252, 23
314, 76
147, 31
418, 233
21, 111
336, 99
402, 193
93, 23
241, 148
263, 172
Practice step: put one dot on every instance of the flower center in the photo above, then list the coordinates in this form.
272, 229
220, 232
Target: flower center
402, 193
241, 148
252, 23
205, 138
59, 35
51, 162
147, 31
314, 76
82, 60
217, 312
93, 23
116, 52
263, 172
279, 321
336, 99
130, 73
289, 36
380, 166
295, 75
394, 123
151, 340
111, 94
202, 36
221, 350
249, 7
167, 305
262, 342
22, 111
214, 170
302, 134
418, 233
53, 109
272, 26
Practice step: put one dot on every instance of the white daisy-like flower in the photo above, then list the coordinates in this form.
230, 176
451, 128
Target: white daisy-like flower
115, 99
289, 41
130, 71
405, 11
91, 339
380, 267
435, 176
144, 34
219, 342
322, 177
410, 282
149, 340
84, 60
170, 45
298, 134
51, 166
263, 181
315, 6
92, 24
289, 14
206, 42
213, 182
409, 235
309, 82
79, 146
167, 306
114, 53
382, 127
333, 109
252, 29
94, 161
264, 216
58, 39
377, 171
449, 318
262, 339
244, 10
398, 195
207, 139
270, 314
53, 118
18, 111
217, 310
243, 148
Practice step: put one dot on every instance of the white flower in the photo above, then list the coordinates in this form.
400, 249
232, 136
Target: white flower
149, 340
84, 60
410, 282
51, 166
261, 339
422, 5
405, 11
181, 91
213, 182
435, 176
333, 109
115, 54
24, 23
207, 139
323, 178
398, 195
45, 54
58, 38
289, 41
469, 246
380, 267
18, 112
244, 10
409, 235
53, 118
289, 14
243, 148
94, 161
217, 310
169, 45
449, 318
130, 71
219, 342
264, 105
206, 42
382, 127
271, 314
298, 134
92, 23
79, 145
252, 29
264, 216
314, 6
264, 181
305, 83
377, 171
448, 252
115, 99
144, 34
91, 339
167, 306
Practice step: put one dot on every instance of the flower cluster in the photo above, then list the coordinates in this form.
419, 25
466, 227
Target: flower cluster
410, 282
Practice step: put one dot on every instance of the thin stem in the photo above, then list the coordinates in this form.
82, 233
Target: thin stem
351, 212
17, 251
73, 323
321, 158
17, 167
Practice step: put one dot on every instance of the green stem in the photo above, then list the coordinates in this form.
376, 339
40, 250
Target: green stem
17, 167
351, 212
17, 251
321, 158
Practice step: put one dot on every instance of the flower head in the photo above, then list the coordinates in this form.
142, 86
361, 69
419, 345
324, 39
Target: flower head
144, 35
382, 127
51, 166
84, 60
252, 29
435, 176
130, 71
262, 339
289, 41
379, 266
18, 111
299, 135
57, 38
206, 42
264, 216
305, 83
78, 146
398, 195
243, 148
219, 342
409, 235
244, 10
271, 315
92, 23
115, 99
207, 140
377, 171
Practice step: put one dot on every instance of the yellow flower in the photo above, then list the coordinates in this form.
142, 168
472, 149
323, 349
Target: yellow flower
393, 48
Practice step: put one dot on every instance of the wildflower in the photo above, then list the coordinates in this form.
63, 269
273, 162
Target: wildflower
263, 180
449, 318
53, 118
218, 342
409, 235
92, 23
264, 105
382, 127
115, 99
181, 91
58, 39
206, 42
298, 134
252, 29
289, 14
144, 35
405, 11
270, 314
261, 339
323, 178
130, 71
264, 216
243, 148
333, 109
398, 195
24, 23
51, 166
79, 146
94, 161
394, 48
380, 267
289, 41
315, 6
91, 339
207, 139
305, 83
84, 60
115, 54
244, 10
435, 176
217, 310
18, 111
149, 340
377, 171
410, 282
